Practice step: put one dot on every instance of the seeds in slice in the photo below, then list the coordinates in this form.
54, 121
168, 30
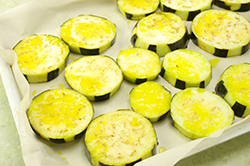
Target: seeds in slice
97, 77
41, 58
88, 34
160, 32
234, 87
137, 9
60, 115
198, 113
187, 10
139, 65
151, 100
221, 33
234, 5
185, 68
122, 137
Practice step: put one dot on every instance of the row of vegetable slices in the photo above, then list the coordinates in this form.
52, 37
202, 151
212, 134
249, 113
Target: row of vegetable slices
227, 34
63, 115
187, 10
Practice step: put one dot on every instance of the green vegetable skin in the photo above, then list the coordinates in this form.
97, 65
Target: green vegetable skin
187, 11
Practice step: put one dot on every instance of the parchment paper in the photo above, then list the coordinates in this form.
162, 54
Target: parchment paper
45, 17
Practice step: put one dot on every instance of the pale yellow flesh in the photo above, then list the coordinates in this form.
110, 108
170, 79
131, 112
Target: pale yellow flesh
159, 28
186, 5
138, 8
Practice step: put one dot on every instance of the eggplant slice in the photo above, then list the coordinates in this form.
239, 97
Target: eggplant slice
88, 34
121, 137
234, 5
198, 113
187, 10
160, 32
137, 9
97, 77
221, 33
151, 100
41, 58
186, 68
139, 65
60, 115
234, 87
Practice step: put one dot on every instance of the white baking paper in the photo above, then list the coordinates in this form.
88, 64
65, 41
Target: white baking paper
45, 17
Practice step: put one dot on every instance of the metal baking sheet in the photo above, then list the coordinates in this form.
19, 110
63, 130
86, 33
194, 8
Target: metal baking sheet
46, 18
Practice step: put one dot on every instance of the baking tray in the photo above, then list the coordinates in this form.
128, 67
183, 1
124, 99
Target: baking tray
46, 18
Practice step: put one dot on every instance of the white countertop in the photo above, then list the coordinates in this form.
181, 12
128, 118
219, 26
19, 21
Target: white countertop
233, 152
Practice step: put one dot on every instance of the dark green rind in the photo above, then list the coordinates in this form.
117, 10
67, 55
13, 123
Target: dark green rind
243, 8
223, 53
191, 14
181, 43
179, 83
238, 108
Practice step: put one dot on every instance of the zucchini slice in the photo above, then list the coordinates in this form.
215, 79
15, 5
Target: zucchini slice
139, 65
97, 77
221, 33
160, 32
41, 58
60, 115
197, 113
120, 138
234, 5
187, 10
88, 34
234, 87
151, 100
137, 9
185, 68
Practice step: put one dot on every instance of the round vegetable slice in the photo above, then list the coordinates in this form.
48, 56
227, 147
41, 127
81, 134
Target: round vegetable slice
151, 100
121, 137
234, 5
137, 9
185, 68
88, 34
234, 87
160, 32
197, 113
41, 58
60, 115
97, 77
139, 65
187, 10
221, 33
